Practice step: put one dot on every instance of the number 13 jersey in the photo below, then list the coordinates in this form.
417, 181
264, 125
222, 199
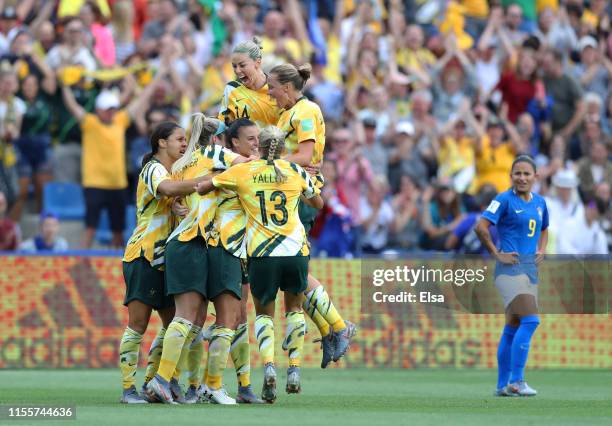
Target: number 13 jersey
273, 225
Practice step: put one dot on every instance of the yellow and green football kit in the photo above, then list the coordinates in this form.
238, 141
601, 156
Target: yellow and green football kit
277, 245
143, 261
273, 228
153, 211
304, 122
241, 102
187, 254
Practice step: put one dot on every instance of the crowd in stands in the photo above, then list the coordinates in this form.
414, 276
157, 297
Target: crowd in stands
426, 104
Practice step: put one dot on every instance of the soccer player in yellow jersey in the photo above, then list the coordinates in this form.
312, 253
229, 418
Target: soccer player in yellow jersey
247, 96
225, 250
302, 122
144, 255
186, 255
228, 251
269, 191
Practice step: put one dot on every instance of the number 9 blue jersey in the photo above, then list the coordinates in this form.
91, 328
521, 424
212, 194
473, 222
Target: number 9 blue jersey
519, 223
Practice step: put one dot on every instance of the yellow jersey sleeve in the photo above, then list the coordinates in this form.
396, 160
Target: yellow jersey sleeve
309, 188
153, 175
222, 158
306, 128
304, 122
227, 180
202, 209
153, 217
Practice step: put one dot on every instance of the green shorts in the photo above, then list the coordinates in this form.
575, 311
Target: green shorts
224, 273
145, 284
269, 274
186, 266
307, 215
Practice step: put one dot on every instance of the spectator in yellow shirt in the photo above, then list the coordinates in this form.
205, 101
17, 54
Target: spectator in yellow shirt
103, 164
456, 155
414, 56
494, 155
273, 40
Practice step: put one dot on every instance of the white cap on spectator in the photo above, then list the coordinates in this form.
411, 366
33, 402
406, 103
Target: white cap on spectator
587, 41
9, 12
107, 99
367, 117
592, 97
405, 127
565, 178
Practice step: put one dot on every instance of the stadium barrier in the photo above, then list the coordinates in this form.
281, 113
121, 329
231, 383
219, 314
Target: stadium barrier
66, 312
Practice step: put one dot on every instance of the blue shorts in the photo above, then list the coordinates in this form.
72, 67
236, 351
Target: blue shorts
34, 155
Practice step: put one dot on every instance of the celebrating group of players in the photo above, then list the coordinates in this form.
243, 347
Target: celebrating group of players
223, 214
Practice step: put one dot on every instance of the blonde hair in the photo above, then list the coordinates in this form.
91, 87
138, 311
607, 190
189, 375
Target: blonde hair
272, 142
288, 73
202, 130
252, 48
122, 16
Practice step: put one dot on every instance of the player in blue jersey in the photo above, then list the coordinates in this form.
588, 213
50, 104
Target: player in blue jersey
521, 218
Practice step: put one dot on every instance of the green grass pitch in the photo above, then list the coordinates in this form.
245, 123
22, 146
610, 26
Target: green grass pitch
334, 397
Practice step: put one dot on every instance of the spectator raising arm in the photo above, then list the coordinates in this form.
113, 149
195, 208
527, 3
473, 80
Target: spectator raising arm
519, 146
292, 9
42, 15
72, 105
48, 82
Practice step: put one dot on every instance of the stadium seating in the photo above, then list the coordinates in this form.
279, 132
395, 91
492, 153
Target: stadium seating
65, 200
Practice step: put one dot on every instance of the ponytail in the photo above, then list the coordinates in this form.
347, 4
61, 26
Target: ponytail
202, 130
147, 157
272, 142
304, 71
288, 73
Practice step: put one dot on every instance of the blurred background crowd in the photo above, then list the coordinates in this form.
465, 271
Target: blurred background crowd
426, 104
